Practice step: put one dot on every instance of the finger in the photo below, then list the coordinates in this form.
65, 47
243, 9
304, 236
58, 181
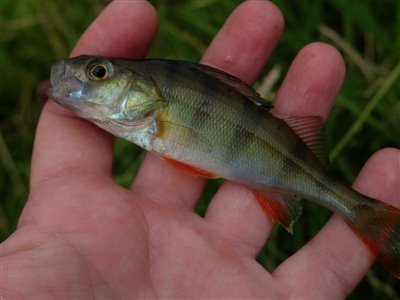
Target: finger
246, 41
309, 88
311, 85
234, 210
335, 260
66, 145
241, 48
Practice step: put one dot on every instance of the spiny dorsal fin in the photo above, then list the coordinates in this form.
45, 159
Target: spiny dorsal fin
237, 84
282, 209
310, 130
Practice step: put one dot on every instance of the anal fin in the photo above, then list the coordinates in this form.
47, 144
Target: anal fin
282, 209
191, 170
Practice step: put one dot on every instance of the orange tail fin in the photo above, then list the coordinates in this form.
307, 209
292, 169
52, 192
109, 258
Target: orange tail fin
378, 225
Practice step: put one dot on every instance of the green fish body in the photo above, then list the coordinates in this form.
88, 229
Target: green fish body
212, 124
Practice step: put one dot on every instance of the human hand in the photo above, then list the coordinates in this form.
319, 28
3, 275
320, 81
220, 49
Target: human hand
81, 235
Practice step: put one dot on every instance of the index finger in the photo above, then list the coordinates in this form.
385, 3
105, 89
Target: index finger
66, 145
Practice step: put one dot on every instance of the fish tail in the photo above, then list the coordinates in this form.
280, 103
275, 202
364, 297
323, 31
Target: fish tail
378, 225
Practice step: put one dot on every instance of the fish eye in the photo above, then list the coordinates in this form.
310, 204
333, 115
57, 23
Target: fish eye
98, 71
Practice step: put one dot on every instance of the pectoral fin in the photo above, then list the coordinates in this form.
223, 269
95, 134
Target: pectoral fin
182, 135
282, 209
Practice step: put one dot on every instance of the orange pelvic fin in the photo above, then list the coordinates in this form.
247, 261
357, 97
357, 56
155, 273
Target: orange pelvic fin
194, 171
280, 208
378, 225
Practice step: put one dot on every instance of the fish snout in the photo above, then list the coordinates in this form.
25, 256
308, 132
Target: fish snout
57, 72
65, 86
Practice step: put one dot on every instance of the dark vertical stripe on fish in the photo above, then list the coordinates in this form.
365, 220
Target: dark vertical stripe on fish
201, 113
290, 169
166, 74
244, 135
171, 75
324, 184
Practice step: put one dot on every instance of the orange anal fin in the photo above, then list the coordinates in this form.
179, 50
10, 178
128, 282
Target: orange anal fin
275, 212
280, 209
194, 171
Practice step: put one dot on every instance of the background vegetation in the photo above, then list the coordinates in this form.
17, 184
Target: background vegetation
364, 119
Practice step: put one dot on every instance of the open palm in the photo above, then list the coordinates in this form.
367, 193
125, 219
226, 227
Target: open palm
81, 235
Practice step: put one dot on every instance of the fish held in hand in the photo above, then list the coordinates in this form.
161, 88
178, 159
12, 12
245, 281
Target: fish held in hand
211, 124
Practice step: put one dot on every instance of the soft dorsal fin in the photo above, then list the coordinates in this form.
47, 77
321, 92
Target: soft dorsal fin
282, 209
237, 84
310, 130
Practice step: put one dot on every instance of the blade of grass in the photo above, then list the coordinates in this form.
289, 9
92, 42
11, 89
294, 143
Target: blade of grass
266, 87
386, 288
185, 37
10, 167
387, 84
363, 17
58, 20
357, 109
365, 67
54, 38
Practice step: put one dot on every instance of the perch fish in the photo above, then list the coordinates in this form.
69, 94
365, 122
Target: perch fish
211, 124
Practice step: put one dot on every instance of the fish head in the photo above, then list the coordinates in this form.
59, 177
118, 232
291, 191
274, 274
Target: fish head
102, 90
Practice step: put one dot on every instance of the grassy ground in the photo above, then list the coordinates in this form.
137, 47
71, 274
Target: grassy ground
35, 33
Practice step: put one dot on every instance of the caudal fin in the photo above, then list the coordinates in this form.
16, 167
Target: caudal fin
378, 225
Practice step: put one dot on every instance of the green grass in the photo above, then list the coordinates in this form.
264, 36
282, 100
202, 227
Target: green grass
365, 118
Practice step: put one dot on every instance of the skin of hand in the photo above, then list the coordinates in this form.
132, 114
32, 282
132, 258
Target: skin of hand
81, 235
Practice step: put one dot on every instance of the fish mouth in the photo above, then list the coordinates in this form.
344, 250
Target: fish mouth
68, 90
65, 88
